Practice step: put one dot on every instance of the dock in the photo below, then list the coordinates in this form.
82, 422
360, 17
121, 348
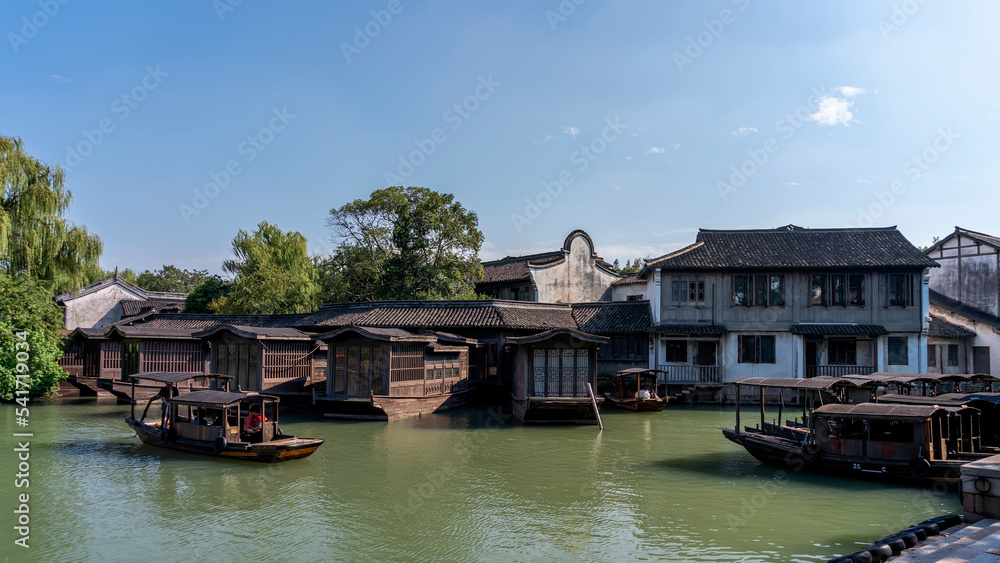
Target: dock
978, 542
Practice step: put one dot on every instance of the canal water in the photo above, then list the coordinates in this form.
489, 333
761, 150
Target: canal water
465, 485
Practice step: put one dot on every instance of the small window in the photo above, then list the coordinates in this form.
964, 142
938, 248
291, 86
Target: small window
675, 351
931, 355
757, 349
856, 290
843, 351
818, 294
740, 296
898, 351
637, 297
900, 290
687, 291
953, 355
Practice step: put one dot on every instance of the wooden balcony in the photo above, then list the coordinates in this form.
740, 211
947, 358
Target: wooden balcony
838, 371
691, 374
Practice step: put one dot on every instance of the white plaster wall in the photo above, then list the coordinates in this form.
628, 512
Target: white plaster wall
986, 335
97, 309
575, 280
913, 353
786, 357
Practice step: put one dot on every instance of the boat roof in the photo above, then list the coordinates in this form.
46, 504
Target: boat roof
945, 399
219, 398
630, 371
873, 380
883, 410
821, 382
176, 377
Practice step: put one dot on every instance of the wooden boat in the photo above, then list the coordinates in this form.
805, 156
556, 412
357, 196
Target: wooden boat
911, 443
635, 389
208, 421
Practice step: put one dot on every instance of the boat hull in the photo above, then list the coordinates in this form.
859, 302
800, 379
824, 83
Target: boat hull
286, 449
385, 407
555, 410
636, 404
787, 454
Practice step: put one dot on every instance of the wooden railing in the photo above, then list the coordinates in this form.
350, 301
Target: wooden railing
838, 371
691, 374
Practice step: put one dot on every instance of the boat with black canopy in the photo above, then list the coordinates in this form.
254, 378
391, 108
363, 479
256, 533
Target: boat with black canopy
216, 421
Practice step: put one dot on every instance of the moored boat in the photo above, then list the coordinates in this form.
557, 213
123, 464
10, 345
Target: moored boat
217, 422
635, 389
903, 442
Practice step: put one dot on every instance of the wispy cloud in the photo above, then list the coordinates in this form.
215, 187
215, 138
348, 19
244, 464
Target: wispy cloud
850, 91
791, 183
677, 146
656, 150
60, 79
615, 186
546, 138
744, 131
573, 131
629, 157
834, 111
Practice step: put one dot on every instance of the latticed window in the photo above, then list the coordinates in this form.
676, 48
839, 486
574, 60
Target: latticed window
560, 373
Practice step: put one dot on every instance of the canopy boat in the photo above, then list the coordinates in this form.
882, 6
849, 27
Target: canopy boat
904, 442
635, 389
218, 422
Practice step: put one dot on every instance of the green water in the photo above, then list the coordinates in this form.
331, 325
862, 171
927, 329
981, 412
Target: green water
458, 486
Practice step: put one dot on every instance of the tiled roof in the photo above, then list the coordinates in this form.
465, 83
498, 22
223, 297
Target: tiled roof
515, 268
615, 317
669, 329
962, 309
133, 307
838, 329
795, 247
256, 332
202, 321
982, 237
629, 279
941, 328
118, 280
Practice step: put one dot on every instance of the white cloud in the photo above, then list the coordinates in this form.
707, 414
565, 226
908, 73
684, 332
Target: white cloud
61, 79
791, 183
833, 111
677, 146
615, 186
629, 157
571, 131
547, 138
744, 131
850, 91
656, 150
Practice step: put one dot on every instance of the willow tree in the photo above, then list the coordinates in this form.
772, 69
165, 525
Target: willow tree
36, 240
273, 274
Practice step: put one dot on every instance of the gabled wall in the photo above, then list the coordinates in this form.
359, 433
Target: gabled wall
97, 309
969, 272
575, 279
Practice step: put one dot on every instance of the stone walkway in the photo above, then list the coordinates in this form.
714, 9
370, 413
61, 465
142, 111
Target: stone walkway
975, 543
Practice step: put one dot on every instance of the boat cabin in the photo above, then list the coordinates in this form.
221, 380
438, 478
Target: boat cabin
897, 432
204, 416
635, 389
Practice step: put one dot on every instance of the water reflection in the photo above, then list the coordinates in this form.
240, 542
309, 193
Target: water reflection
464, 485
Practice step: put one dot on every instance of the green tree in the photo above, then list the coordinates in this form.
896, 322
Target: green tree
200, 299
273, 274
29, 337
630, 266
35, 237
403, 243
172, 279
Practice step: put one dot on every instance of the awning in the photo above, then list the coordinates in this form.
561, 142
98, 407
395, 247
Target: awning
838, 329
689, 330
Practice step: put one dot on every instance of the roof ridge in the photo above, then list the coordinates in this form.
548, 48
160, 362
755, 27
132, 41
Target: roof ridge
676, 253
523, 257
796, 229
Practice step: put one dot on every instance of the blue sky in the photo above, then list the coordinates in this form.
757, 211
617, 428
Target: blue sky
638, 122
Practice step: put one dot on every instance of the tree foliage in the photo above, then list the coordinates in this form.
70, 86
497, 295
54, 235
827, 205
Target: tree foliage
273, 274
200, 299
630, 267
172, 279
29, 323
403, 243
35, 238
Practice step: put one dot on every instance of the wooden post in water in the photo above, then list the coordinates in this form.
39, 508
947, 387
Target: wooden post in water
738, 408
762, 406
593, 402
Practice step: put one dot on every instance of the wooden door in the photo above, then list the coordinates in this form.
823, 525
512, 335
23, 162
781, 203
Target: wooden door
981, 359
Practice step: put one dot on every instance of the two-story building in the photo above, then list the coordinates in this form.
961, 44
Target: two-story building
789, 302
965, 291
